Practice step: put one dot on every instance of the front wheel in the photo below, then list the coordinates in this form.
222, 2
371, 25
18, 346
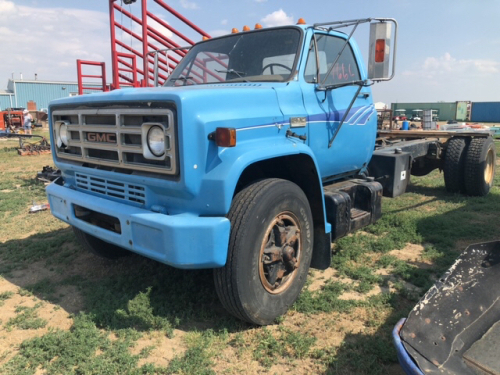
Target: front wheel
269, 252
99, 247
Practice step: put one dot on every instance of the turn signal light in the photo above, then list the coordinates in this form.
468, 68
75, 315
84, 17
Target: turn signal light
205, 38
379, 50
224, 137
301, 21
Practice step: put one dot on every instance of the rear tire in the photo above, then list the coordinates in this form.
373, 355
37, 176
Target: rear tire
269, 252
454, 162
99, 247
480, 166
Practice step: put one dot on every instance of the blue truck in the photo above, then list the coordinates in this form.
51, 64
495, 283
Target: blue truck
258, 152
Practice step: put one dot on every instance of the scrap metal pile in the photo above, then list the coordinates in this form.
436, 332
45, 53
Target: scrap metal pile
27, 145
41, 146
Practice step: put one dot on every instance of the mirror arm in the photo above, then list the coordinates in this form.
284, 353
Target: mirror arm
318, 77
156, 62
345, 115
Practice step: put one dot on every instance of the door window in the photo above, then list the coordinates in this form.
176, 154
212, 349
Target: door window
345, 70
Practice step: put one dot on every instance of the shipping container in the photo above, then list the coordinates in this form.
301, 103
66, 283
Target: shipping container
463, 111
444, 111
485, 112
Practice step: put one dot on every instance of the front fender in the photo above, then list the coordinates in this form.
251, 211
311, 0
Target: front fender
224, 170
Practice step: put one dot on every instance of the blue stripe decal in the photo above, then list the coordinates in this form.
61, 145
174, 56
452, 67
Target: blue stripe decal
356, 116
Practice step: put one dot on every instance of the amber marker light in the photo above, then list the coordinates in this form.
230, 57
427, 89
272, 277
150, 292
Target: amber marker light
205, 38
379, 50
258, 26
234, 30
224, 137
246, 28
301, 21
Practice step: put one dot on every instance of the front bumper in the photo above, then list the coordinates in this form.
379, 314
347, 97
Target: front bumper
183, 241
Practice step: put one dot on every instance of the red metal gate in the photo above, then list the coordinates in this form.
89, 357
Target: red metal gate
134, 66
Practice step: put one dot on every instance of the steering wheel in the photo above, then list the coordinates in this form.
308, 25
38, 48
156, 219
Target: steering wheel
270, 66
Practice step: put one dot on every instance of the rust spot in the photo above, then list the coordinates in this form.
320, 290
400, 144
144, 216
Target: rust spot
460, 288
435, 362
412, 335
467, 312
443, 338
427, 320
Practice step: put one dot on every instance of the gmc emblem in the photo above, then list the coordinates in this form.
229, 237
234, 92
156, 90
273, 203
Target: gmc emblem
101, 137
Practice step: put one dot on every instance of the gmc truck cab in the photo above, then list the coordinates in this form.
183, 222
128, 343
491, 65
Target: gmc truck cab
251, 159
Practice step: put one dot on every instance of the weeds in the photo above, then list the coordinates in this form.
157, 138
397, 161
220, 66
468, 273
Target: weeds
27, 318
268, 348
134, 298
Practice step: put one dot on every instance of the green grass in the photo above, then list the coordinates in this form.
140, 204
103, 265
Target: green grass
5, 296
26, 318
268, 347
84, 347
135, 300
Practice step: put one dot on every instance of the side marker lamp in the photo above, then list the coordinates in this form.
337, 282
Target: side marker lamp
379, 50
223, 137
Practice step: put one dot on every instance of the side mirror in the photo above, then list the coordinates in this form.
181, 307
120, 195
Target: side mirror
380, 66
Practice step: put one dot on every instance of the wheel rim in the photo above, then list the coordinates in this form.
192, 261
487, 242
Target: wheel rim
280, 253
490, 167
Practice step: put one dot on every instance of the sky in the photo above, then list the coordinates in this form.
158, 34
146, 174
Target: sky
448, 50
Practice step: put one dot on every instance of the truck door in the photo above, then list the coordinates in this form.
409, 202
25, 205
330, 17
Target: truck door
353, 145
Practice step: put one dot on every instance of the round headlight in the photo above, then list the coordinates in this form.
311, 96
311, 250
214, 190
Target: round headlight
156, 141
63, 133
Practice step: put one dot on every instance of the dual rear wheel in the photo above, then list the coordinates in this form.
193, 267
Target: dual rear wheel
469, 165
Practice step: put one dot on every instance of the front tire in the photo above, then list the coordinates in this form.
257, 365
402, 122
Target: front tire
99, 247
269, 252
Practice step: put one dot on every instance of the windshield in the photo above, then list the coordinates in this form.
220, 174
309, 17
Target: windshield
265, 56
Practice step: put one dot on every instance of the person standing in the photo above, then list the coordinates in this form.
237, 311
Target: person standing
27, 121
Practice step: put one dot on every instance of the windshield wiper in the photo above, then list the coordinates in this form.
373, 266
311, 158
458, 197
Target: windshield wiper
232, 71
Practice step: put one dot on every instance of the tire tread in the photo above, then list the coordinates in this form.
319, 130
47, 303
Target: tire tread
474, 167
454, 176
224, 277
99, 247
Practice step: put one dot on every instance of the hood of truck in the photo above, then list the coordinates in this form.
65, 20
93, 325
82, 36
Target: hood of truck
175, 94
232, 105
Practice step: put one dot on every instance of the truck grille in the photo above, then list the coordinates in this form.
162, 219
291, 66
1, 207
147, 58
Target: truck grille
116, 189
116, 138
